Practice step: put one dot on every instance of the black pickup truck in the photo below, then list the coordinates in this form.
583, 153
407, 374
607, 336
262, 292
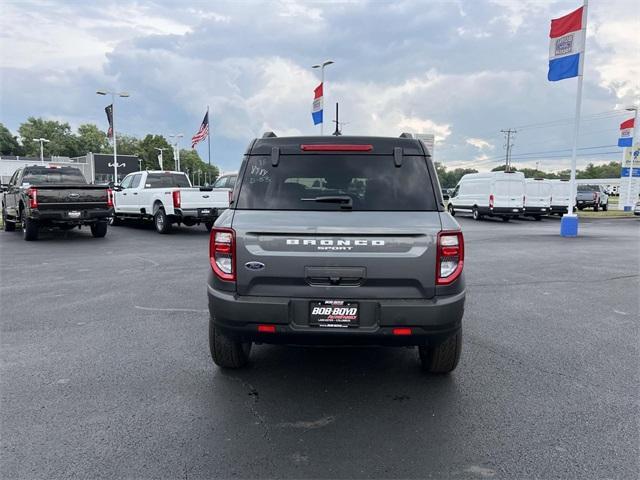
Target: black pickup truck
50, 196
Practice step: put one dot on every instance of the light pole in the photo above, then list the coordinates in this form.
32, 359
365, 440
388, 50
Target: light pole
42, 142
176, 154
321, 67
635, 141
113, 127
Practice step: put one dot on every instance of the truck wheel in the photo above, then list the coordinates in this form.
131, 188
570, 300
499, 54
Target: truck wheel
29, 228
476, 214
596, 207
605, 207
442, 358
161, 221
226, 352
505, 219
209, 226
99, 229
8, 226
537, 218
451, 210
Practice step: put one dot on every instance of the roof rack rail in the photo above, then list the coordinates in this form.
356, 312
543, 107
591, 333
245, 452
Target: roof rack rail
268, 135
406, 135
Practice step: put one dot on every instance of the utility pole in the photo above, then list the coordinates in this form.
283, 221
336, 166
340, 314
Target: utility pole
337, 133
509, 135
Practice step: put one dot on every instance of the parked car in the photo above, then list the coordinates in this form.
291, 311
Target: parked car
226, 181
636, 209
559, 196
445, 194
494, 194
41, 196
592, 196
537, 199
337, 240
167, 198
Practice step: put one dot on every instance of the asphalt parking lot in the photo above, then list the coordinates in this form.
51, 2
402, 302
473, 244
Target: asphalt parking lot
106, 370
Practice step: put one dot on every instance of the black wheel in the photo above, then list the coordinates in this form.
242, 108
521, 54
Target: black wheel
8, 226
208, 225
29, 228
537, 218
605, 207
99, 229
505, 219
161, 221
225, 351
476, 214
451, 210
580, 208
596, 207
444, 357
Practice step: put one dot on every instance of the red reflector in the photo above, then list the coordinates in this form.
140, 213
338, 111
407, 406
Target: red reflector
401, 331
267, 328
336, 148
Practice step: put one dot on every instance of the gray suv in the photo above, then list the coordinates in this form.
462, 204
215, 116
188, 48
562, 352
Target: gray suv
337, 240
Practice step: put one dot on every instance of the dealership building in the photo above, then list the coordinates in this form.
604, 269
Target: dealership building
96, 167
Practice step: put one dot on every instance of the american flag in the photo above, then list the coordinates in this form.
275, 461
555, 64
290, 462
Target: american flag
203, 131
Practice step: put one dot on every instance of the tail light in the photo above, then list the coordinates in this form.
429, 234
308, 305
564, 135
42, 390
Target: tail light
32, 193
524, 198
335, 148
230, 196
222, 253
490, 201
176, 199
450, 257
401, 331
109, 197
267, 328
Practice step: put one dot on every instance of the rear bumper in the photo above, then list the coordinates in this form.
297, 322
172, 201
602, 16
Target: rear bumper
430, 320
586, 203
62, 216
203, 214
537, 210
558, 209
505, 211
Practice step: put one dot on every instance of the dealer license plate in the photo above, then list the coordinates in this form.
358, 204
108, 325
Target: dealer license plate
514, 210
74, 214
333, 313
205, 211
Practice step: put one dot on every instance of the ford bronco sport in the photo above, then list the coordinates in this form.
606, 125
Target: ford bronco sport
337, 240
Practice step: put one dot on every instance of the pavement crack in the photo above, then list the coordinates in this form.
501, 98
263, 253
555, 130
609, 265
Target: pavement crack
543, 282
252, 406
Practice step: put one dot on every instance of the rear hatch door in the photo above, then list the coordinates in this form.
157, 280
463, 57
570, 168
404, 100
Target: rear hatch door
192, 198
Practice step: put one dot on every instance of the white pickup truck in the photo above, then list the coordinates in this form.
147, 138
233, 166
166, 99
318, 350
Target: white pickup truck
167, 198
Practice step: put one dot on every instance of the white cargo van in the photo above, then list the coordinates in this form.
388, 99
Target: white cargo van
537, 198
494, 194
559, 196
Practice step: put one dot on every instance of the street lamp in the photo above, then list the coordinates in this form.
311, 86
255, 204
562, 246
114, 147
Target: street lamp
160, 156
176, 153
633, 143
42, 142
113, 128
321, 67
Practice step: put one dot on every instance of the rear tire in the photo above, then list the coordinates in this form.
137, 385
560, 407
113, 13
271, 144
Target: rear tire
537, 218
30, 228
605, 207
99, 229
505, 219
8, 226
476, 214
208, 225
161, 221
451, 210
444, 357
225, 351
596, 207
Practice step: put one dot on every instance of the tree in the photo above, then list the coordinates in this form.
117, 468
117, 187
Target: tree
92, 139
606, 170
149, 155
502, 168
451, 179
9, 143
62, 141
190, 161
127, 145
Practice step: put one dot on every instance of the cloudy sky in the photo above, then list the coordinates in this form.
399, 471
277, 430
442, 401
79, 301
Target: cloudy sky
462, 70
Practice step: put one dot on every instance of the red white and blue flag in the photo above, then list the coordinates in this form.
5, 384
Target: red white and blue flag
567, 45
202, 132
316, 111
626, 133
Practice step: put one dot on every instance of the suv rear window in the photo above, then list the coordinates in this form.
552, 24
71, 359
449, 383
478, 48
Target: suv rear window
41, 175
371, 182
588, 188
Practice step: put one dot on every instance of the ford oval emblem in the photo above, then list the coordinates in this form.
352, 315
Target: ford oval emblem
254, 265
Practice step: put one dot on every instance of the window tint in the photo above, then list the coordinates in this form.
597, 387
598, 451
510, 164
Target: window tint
41, 175
232, 181
136, 180
368, 182
587, 188
167, 180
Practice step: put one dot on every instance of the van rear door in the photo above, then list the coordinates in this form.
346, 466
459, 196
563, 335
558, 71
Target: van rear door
508, 193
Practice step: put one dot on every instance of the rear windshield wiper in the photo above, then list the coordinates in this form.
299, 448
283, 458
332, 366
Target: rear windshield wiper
345, 201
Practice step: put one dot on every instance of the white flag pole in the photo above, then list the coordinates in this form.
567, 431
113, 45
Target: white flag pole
576, 130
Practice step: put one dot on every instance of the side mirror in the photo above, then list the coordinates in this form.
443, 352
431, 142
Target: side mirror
116, 188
